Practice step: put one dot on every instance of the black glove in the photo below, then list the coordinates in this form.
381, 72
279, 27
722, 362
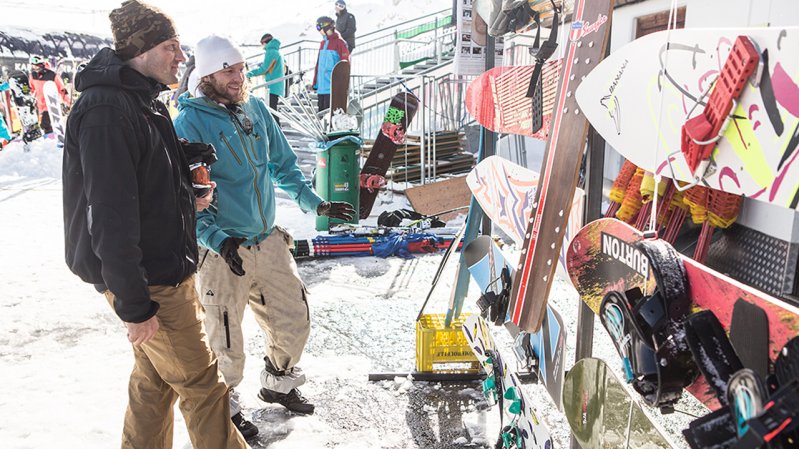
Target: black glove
336, 209
230, 252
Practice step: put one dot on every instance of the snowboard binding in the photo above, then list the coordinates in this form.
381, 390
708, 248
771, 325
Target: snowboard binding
494, 306
648, 331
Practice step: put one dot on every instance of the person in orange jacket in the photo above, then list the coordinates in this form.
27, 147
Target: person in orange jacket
40, 74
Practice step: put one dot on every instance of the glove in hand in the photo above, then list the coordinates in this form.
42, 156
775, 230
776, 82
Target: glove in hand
336, 209
230, 252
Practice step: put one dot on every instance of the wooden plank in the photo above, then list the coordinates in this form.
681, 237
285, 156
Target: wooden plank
440, 196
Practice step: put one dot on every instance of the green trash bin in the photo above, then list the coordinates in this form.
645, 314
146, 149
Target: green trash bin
337, 173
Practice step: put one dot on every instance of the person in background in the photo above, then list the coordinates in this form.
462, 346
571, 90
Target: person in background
40, 74
345, 24
271, 68
332, 49
246, 258
129, 213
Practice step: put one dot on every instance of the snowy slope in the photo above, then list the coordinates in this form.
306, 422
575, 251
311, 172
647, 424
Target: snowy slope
246, 22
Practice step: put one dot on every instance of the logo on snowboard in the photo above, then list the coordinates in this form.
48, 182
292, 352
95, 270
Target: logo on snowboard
392, 125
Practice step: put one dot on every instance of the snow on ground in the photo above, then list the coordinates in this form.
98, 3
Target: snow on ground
64, 358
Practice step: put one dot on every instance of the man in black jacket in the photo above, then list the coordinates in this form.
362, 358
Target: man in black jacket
345, 24
129, 230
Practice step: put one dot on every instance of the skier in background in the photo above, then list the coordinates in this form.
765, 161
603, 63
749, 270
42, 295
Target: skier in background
246, 258
129, 214
345, 24
332, 49
272, 68
40, 74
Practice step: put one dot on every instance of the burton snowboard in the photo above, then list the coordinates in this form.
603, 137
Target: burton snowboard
392, 133
601, 258
601, 412
639, 97
522, 428
339, 88
588, 40
498, 99
506, 192
486, 263
53, 99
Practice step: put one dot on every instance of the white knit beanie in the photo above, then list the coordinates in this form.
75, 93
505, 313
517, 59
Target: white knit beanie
215, 53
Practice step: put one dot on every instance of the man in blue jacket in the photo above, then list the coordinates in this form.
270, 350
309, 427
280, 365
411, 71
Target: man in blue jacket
271, 68
332, 49
245, 258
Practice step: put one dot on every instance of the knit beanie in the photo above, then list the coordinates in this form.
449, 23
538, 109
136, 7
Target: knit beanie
138, 27
214, 53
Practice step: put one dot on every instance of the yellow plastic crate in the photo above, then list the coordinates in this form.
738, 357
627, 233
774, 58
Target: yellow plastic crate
439, 345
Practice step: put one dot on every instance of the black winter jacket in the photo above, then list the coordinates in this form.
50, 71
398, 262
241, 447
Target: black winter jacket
345, 24
128, 201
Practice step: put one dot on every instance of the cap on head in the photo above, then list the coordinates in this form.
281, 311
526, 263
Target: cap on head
341, 3
138, 27
215, 53
266, 38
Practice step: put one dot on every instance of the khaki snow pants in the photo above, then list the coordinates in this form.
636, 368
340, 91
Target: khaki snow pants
277, 297
177, 363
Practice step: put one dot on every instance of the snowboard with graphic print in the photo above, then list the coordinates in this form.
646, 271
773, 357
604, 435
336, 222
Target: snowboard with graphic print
392, 134
601, 258
528, 431
640, 96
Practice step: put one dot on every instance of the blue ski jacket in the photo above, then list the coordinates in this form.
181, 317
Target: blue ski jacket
250, 161
331, 50
272, 58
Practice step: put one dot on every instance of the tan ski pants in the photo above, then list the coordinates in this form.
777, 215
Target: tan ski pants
278, 299
177, 363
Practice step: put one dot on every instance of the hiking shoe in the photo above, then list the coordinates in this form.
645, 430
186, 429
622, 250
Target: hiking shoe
293, 400
247, 429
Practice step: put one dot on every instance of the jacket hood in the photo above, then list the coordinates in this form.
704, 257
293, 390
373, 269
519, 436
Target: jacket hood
107, 69
274, 44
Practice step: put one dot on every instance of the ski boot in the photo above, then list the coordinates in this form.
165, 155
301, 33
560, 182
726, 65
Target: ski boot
294, 401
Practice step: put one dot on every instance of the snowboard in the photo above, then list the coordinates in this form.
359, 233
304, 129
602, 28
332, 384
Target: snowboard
506, 192
498, 100
640, 96
601, 412
24, 103
339, 88
528, 431
485, 262
560, 168
53, 99
601, 258
392, 133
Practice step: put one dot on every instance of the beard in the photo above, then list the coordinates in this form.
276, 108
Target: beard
215, 90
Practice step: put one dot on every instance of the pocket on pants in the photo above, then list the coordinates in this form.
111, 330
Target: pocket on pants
285, 234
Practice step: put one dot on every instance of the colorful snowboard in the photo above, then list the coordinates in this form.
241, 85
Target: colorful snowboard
601, 412
518, 409
498, 100
24, 103
639, 97
560, 169
506, 192
486, 261
339, 87
601, 258
399, 114
53, 99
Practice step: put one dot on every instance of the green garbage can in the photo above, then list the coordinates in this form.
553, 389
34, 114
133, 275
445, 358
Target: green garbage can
337, 172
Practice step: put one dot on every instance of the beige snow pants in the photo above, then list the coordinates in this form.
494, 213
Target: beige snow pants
278, 299
177, 363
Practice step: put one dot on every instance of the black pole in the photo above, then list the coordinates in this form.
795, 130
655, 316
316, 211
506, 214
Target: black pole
489, 141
